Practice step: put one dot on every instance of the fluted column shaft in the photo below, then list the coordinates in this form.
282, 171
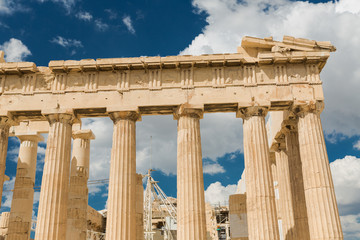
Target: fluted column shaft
23, 195
260, 199
139, 207
322, 210
4, 137
285, 194
301, 227
52, 212
78, 189
121, 216
191, 222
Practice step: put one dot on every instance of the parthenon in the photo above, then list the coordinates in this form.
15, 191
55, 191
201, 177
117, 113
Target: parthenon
282, 78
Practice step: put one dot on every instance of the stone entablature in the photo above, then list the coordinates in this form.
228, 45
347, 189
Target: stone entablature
263, 76
277, 72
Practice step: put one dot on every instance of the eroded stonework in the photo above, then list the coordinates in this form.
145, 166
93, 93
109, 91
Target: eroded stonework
264, 75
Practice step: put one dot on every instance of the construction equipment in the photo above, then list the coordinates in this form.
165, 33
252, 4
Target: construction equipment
156, 198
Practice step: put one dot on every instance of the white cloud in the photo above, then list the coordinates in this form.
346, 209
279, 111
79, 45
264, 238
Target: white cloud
86, 16
217, 193
67, 4
10, 6
352, 6
346, 177
5, 6
112, 14
41, 150
213, 168
7, 193
128, 23
3, 25
221, 133
66, 42
338, 21
351, 226
15, 50
36, 197
357, 145
100, 25
100, 150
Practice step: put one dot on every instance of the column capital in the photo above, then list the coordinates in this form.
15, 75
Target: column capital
246, 112
125, 115
30, 136
189, 110
289, 125
7, 119
302, 107
278, 146
83, 134
59, 115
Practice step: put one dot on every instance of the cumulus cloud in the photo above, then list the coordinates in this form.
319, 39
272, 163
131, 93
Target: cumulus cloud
357, 145
15, 50
351, 226
100, 25
338, 21
346, 177
128, 23
86, 16
213, 168
66, 42
11, 6
216, 193
6, 6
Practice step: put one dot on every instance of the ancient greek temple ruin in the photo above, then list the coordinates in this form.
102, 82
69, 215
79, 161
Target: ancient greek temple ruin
263, 76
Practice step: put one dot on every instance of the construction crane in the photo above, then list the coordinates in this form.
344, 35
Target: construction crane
153, 193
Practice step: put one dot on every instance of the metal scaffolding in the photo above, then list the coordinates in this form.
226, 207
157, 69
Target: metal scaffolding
154, 194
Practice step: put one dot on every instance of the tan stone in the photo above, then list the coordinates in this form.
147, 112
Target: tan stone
301, 225
139, 207
52, 212
322, 210
260, 199
4, 136
238, 217
2, 55
264, 75
23, 194
78, 190
286, 207
4, 224
121, 215
191, 221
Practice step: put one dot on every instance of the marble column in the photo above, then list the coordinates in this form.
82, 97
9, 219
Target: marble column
260, 199
286, 207
4, 224
121, 216
191, 222
78, 189
52, 212
301, 225
4, 136
322, 210
23, 195
139, 207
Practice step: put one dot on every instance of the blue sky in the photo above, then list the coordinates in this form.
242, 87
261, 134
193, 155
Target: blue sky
44, 30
